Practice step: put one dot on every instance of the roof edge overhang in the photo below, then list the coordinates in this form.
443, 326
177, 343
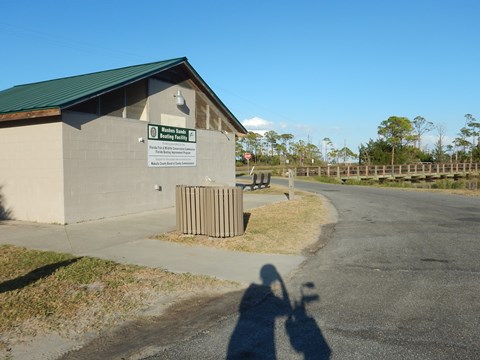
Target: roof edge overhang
31, 114
175, 62
210, 93
55, 111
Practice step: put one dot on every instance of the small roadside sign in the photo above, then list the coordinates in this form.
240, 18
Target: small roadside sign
247, 157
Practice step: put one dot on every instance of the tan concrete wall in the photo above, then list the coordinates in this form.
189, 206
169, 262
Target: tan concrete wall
216, 157
31, 171
103, 165
88, 167
106, 172
162, 101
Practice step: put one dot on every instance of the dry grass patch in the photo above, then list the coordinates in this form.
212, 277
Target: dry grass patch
43, 291
466, 192
284, 228
463, 192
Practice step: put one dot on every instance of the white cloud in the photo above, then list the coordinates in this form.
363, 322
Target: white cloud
261, 126
257, 123
260, 132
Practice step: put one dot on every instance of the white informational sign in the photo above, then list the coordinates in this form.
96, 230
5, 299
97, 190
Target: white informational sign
170, 146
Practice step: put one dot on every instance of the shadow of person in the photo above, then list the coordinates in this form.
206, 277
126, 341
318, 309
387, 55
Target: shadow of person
303, 331
35, 275
253, 336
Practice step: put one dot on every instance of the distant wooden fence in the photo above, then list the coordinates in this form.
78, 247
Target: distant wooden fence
379, 171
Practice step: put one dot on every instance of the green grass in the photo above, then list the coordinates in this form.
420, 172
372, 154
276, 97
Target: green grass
449, 184
321, 179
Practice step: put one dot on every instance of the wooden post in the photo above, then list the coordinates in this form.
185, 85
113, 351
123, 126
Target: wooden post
291, 185
207, 115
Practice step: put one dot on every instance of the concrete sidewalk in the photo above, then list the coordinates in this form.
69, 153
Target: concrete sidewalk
125, 239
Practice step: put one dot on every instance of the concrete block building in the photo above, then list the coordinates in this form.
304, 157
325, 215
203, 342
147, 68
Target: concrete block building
111, 143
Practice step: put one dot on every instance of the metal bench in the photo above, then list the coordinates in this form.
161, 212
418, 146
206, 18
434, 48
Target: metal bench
265, 180
253, 184
259, 181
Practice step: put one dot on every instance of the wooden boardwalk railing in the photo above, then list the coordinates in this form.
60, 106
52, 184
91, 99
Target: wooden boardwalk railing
387, 171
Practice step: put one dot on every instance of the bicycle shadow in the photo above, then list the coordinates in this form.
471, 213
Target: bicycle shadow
303, 331
254, 333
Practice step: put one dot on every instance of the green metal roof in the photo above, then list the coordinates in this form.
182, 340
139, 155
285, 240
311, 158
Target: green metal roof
52, 96
61, 93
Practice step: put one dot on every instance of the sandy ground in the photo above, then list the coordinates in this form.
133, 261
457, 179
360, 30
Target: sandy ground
51, 346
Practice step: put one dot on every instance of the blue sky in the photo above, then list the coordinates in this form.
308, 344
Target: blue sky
315, 69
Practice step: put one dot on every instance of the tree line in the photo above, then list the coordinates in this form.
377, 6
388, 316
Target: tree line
399, 141
274, 149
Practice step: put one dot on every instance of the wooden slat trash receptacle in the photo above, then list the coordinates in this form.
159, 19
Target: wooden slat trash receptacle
190, 209
211, 211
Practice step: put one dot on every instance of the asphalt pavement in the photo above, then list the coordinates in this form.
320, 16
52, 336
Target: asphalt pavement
399, 279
